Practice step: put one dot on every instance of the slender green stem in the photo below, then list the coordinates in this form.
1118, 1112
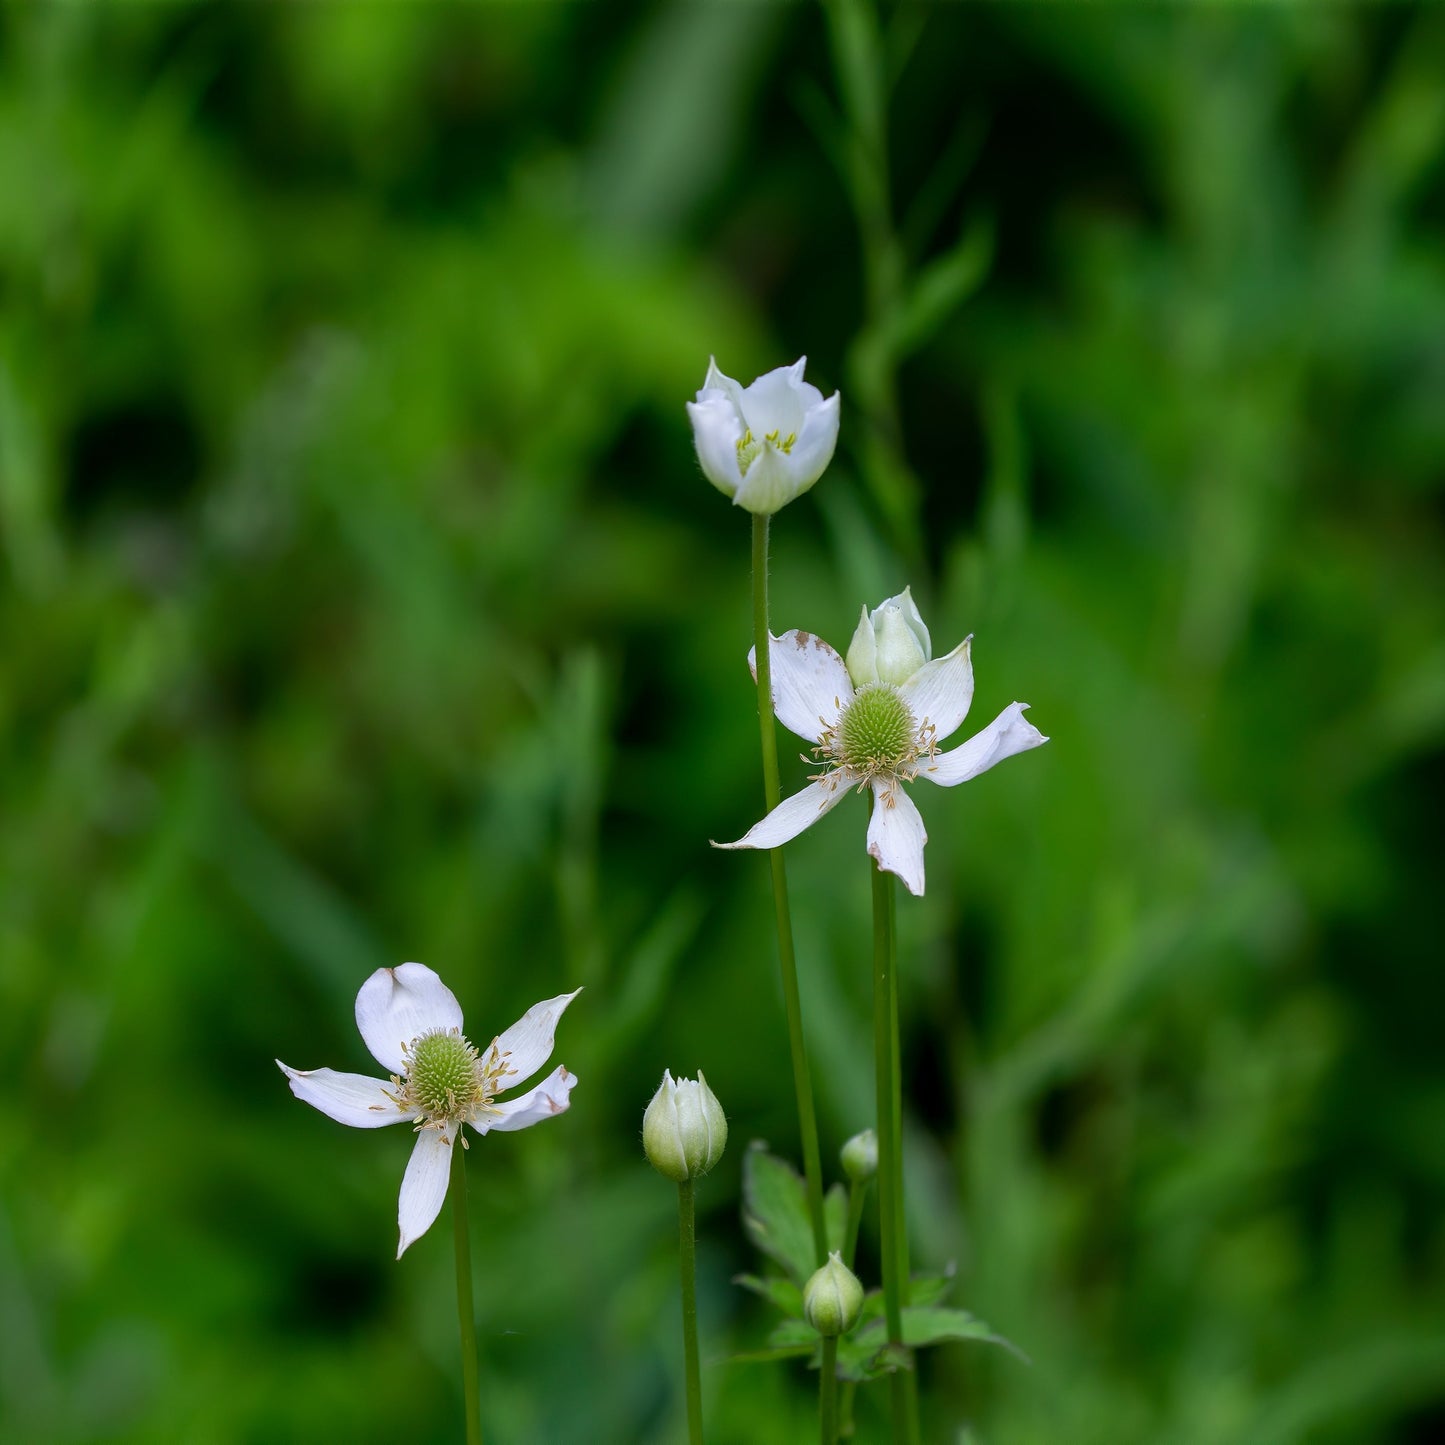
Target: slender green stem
857, 1197
885, 1075
687, 1269
466, 1313
828, 1392
772, 792
845, 1409
901, 1214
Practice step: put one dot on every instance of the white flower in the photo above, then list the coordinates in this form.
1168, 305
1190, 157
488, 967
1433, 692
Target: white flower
880, 733
412, 1024
764, 444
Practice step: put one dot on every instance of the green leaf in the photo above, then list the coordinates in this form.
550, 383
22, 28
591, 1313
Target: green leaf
867, 1355
929, 1289
775, 1211
930, 1325
778, 1291
791, 1334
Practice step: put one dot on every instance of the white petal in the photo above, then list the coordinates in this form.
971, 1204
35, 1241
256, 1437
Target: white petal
862, 658
348, 1098
941, 690
548, 1098
397, 1004
770, 484
810, 682
718, 380
1006, 735
717, 427
793, 814
814, 447
774, 402
424, 1185
900, 650
905, 603
896, 835
527, 1045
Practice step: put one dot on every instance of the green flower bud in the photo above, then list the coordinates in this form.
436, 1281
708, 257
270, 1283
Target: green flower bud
684, 1130
890, 644
860, 1157
832, 1298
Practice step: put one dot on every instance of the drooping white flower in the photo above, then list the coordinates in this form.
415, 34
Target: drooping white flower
412, 1023
764, 444
872, 730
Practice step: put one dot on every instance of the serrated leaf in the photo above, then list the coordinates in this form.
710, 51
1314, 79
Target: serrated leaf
928, 1289
866, 1355
775, 1211
776, 1290
932, 1324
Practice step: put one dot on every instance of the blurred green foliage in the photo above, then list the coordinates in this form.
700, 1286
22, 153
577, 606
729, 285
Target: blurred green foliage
360, 600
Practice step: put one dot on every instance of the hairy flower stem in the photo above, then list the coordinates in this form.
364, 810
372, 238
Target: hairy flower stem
890, 1173
687, 1270
466, 1313
828, 1392
772, 790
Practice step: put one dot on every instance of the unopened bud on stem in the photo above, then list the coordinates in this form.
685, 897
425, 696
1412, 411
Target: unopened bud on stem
833, 1297
684, 1130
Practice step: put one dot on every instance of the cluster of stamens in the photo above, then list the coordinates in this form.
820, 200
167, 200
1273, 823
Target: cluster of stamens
875, 736
446, 1082
749, 447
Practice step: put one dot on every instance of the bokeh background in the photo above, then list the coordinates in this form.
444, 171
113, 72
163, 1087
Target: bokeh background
360, 600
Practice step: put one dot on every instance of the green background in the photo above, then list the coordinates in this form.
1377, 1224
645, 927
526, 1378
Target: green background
360, 600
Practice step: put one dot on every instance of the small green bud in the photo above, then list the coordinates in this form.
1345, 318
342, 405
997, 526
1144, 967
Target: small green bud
860, 1157
684, 1130
832, 1298
890, 644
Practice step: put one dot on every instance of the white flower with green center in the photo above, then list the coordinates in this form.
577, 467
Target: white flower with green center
764, 444
876, 722
412, 1023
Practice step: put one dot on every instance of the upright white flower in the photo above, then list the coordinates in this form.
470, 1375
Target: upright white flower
412, 1024
764, 444
879, 728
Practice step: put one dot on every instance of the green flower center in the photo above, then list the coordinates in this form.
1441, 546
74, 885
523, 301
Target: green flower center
876, 736
443, 1081
877, 732
749, 447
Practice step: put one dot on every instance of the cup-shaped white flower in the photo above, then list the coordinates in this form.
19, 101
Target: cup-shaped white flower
764, 444
879, 735
412, 1023
684, 1130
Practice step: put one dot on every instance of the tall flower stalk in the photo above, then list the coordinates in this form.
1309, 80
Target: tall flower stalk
887, 1075
763, 445
787, 961
466, 1310
684, 1133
